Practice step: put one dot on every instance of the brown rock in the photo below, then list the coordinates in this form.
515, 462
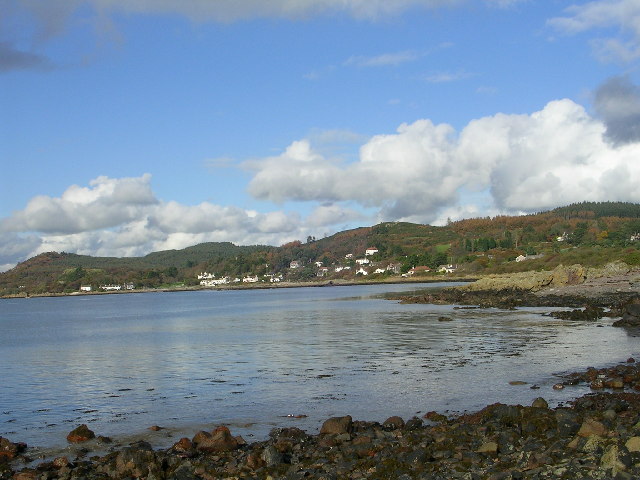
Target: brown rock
337, 425
592, 427
540, 403
633, 444
60, 462
220, 440
394, 422
254, 461
183, 445
155, 428
200, 437
9, 450
80, 434
489, 448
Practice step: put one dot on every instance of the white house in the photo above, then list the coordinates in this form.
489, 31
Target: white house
416, 270
206, 276
85, 288
323, 271
295, 264
446, 268
563, 238
214, 282
379, 270
110, 288
362, 271
362, 261
520, 258
250, 279
318, 264
370, 251
348, 256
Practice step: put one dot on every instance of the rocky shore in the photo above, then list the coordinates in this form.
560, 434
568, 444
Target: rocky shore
597, 436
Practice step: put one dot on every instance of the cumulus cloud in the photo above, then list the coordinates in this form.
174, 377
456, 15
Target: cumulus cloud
105, 203
122, 217
623, 15
617, 102
527, 163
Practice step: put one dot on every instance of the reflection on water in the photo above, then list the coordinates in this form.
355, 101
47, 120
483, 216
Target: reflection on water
189, 360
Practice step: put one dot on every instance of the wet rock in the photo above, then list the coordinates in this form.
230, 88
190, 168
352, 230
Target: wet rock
184, 447
137, 461
393, 423
9, 450
567, 422
445, 319
540, 403
80, 434
488, 448
589, 313
337, 425
220, 440
630, 314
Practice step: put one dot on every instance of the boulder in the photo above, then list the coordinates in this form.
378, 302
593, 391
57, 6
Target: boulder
630, 314
220, 440
9, 450
393, 423
80, 434
337, 425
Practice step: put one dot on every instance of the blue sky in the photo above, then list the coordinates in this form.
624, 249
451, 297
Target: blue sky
129, 126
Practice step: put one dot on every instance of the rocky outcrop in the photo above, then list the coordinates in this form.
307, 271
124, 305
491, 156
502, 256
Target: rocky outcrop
630, 314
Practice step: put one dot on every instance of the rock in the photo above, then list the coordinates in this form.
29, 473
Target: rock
630, 314
614, 460
567, 422
80, 434
517, 382
138, 460
200, 437
540, 403
155, 428
60, 462
445, 319
271, 456
9, 450
393, 423
220, 440
337, 425
558, 386
633, 444
488, 448
184, 447
592, 427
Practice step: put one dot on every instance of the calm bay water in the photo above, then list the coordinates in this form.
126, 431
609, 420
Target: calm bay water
250, 358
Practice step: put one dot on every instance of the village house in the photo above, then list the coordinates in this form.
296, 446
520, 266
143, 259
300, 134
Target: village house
362, 271
521, 258
348, 256
447, 268
380, 270
206, 276
295, 264
110, 288
394, 267
85, 288
323, 272
418, 270
214, 282
250, 279
370, 251
363, 261
318, 264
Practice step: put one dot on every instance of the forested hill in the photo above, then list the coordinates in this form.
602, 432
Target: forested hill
588, 233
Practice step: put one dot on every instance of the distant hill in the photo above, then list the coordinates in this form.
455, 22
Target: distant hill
588, 233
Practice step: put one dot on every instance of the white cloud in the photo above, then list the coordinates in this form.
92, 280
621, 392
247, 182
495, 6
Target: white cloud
622, 15
552, 157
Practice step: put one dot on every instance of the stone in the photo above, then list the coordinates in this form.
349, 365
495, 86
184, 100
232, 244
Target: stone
201, 436
393, 423
567, 422
80, 434
633, 444
220, 440
592, 427
488, 448
540, 403
630, 314
271, 456
613, 460
9, 450
337, 425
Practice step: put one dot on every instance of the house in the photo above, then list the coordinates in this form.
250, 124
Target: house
394, 267
215, 282
380, 270
418, 270
85, 288
323, 272
295, 264
338, 269
362, 261
206, 276
362, 271
348, 256
273, 278
110, 288
370, 251
250, 279
563, 238
521, 258
635, 237
318, 264
446, 268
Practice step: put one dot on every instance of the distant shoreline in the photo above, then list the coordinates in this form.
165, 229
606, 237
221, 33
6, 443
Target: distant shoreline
270, 286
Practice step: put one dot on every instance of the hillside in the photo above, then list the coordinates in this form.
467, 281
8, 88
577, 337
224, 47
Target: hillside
588, 233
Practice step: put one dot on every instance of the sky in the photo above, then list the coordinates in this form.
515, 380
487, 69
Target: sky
132, 126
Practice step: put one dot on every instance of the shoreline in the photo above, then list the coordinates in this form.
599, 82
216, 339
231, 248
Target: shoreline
596, 435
